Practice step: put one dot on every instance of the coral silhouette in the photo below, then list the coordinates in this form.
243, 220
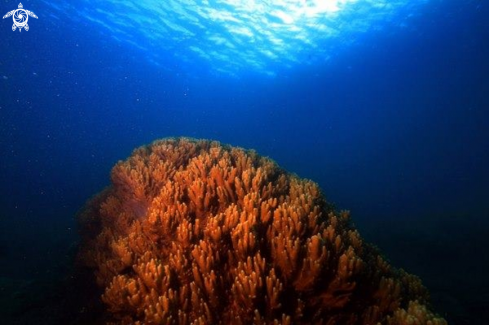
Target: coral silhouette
195, 232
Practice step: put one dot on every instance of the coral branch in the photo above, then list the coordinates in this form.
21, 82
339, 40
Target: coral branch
195, 232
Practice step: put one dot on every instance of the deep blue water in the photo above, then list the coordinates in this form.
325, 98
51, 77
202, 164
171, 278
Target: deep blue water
386, 106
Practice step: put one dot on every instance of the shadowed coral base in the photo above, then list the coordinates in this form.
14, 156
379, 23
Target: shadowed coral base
195, 232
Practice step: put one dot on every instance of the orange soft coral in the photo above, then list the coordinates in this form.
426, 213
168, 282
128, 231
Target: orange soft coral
194, 232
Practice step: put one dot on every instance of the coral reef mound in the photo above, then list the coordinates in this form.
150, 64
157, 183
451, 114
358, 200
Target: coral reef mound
195, 232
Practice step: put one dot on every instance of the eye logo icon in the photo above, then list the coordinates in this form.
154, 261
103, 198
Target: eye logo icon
20, 17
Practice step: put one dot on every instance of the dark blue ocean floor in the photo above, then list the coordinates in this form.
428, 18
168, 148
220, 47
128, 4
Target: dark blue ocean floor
39, 285
449, 253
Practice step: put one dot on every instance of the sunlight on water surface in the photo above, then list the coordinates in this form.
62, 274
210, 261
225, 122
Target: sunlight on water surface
232, 36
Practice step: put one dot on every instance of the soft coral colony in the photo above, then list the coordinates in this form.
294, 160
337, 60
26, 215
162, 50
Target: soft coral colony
195, 232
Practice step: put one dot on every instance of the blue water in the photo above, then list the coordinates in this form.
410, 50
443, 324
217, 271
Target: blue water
384, 103
234, 36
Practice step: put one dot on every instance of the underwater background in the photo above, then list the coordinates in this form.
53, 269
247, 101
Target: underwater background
385, 104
